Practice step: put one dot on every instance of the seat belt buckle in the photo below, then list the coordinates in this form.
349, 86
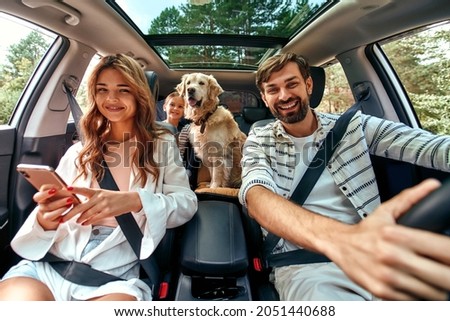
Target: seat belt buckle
258, 264
163, 290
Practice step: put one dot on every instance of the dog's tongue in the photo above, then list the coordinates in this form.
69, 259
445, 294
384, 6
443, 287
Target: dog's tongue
192, 102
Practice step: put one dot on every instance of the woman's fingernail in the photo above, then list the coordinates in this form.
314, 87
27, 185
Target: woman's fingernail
69, 188
52, 191
69, 201
61, 220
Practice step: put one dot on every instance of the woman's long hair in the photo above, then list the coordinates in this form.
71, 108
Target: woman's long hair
96, 127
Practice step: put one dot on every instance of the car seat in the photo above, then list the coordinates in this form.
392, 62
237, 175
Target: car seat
167, 250
259, 277
153, 83
249, 115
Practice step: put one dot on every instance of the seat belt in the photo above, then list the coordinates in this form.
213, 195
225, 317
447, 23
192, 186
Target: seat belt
75, 108
78, 272
301, 192
132, 232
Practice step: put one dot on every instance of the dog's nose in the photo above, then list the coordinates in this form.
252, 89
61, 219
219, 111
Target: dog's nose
191, 91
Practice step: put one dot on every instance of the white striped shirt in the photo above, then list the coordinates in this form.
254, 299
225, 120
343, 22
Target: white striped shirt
269, 156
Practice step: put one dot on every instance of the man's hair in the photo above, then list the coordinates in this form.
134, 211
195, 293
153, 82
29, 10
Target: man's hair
276, 63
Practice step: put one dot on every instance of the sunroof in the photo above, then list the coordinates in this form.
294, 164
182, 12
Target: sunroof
218, 34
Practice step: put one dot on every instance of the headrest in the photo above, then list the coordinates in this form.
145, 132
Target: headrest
318, 77
252, 114
153, 83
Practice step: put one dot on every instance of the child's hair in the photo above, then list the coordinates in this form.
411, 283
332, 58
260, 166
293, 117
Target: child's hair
170, 96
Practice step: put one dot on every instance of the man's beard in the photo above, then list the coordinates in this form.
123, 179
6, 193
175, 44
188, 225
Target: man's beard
294, 117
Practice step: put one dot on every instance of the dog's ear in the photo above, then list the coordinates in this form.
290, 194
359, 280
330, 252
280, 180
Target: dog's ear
181, 87
214, 88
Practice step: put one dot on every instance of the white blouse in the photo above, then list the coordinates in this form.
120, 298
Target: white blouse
166, 203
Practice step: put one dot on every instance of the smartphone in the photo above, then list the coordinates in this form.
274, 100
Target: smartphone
38, 175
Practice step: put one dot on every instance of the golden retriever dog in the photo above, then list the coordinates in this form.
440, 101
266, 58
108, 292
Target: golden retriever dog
214, 134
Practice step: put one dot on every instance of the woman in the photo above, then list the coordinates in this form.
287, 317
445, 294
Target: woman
119, 127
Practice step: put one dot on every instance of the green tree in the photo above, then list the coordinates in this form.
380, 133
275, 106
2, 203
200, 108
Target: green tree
420, 62
21, 60
424, 69
337, 96
246, 17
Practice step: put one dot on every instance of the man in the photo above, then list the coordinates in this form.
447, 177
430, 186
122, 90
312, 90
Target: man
371, 257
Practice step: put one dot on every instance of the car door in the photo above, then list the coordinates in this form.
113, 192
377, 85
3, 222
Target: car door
406, 84
34, 113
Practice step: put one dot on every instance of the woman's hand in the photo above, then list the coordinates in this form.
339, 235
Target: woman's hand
101, 204
52, 203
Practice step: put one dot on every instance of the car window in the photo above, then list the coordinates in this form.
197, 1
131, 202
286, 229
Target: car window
337, 96
421, 60
236, 100
81, 95
20, 53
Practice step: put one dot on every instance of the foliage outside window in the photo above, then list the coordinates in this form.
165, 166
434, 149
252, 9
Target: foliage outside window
422, 62
337, 97
20, 53
81, 95
278, 20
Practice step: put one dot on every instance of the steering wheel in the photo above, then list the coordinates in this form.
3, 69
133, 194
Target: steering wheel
432, 213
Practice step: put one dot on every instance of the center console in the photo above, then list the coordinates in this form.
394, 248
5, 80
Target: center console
214, 261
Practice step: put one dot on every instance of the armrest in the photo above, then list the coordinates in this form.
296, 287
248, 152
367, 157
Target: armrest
214, 241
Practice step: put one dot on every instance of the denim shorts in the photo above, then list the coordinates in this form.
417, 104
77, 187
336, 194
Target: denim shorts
98, 235
28, 268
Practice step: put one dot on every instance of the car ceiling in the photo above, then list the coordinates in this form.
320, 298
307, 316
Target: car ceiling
349, 24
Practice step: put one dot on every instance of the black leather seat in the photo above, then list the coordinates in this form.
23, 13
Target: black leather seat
166, 251
153, 83
250, 115
264, 289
